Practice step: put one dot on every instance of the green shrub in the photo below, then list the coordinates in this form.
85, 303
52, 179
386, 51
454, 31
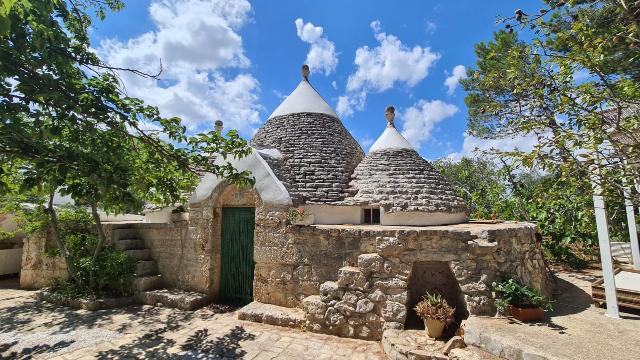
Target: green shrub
511, 292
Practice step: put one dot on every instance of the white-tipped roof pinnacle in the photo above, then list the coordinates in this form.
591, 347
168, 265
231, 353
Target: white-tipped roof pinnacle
391, 137
303, 99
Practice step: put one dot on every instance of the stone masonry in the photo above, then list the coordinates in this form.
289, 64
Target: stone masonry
318, 152
352, 281
401, 180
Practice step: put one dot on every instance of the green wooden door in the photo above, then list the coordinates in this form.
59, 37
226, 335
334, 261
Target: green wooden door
236, 275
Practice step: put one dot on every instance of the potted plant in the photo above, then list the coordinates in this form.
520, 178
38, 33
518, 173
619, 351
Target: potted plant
520, 301
179, 214
436, 314
300, 217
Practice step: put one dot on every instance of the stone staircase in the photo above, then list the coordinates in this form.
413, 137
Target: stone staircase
147, 283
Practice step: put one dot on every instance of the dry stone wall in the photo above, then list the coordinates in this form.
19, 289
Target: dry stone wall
353, 280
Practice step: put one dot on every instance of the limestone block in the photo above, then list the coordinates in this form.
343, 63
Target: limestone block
333, 317
350, 297
456, 342
392, 325
364, 306
347, 275
391, 283
346, 308
329, 290
393, 311
360, 282
400, 297
370, 263
377, 296
314, 305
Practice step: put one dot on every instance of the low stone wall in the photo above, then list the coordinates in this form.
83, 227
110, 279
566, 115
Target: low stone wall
38, 267
181, 262
353, 280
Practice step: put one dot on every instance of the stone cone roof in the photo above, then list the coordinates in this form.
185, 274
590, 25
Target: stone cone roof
318, 153
395, 177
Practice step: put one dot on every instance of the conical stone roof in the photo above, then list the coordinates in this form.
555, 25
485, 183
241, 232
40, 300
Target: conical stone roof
395, 177
318, 153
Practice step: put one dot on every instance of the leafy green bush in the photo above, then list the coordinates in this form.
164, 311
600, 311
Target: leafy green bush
112, 270
511, 292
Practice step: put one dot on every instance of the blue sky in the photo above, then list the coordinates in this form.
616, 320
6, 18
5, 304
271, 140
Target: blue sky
235, 60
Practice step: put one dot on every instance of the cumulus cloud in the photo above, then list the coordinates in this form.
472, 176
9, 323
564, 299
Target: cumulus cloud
380, 68
473, 146
195, 40
419, 120
322, 56
459, 72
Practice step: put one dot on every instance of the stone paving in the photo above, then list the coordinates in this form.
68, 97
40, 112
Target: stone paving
33, 329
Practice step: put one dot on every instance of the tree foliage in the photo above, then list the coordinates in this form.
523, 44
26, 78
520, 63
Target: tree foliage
67, 124
561, 207
568, 74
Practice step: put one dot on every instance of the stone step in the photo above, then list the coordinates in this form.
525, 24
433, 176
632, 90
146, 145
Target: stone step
124, 233
145, 283
272, 315
139, 254
128, 244
174, 298
146, 267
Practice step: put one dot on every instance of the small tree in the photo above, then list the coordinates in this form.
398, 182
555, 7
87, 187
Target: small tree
572, 80
67, 125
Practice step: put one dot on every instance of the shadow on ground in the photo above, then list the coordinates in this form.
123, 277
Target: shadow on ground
155, 344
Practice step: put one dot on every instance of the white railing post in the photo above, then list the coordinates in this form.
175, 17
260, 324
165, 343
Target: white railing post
606, 259
633, 232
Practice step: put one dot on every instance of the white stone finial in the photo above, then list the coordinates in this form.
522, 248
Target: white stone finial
218, 126
390, 114
305, 72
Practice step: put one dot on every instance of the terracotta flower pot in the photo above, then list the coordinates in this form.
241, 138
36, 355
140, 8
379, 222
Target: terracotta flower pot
434, 328
527, 313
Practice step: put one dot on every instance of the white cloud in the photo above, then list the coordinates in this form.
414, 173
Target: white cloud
334, 85
459, 72
473, 146
431, 27
382, 67
322, 55
349, 103
419, 119
195, 40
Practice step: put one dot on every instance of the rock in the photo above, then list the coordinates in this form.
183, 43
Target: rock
456, 342
314, 305
345, 307
392, 325
392, 283
377, 296
371, 262
393, 311
350, 297
371, 317
364, 306
464, 354
401, 297
333, 317
330, 290
347, 275
360, 282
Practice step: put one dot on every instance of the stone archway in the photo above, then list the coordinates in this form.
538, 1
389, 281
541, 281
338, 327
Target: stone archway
433, 277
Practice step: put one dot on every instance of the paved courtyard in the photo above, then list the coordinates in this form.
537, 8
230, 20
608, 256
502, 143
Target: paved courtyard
33, 329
